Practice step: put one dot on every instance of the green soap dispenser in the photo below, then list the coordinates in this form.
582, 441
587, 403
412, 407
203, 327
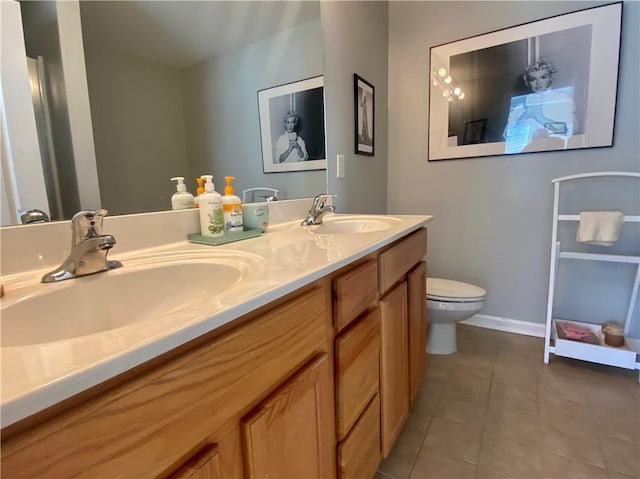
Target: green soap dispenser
181, 199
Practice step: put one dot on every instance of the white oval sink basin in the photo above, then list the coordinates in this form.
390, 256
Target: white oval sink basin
352, 224
143, 289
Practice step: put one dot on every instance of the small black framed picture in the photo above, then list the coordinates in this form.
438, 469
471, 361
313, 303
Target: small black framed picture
364, 108
474, 132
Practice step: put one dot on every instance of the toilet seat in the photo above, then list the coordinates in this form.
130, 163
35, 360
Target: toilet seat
447, 290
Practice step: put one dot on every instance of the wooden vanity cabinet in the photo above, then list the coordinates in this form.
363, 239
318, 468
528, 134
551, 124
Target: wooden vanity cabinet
403, 333
315, 384
212, 411
379, 353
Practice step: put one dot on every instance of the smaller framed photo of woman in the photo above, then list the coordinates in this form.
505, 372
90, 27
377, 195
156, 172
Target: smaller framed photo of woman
364, 108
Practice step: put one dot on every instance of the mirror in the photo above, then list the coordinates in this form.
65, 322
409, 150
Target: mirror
172, 89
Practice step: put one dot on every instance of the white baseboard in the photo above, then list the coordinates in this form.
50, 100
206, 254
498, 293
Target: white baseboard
506, 324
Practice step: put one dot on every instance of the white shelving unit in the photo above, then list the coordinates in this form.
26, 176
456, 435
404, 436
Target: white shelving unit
625, 356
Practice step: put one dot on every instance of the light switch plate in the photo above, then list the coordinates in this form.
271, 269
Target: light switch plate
340, 167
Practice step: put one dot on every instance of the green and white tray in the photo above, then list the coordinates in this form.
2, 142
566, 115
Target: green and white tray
227, 237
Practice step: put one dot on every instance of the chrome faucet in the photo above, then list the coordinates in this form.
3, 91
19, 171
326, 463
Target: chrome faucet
89, 248
319, 208
33, 216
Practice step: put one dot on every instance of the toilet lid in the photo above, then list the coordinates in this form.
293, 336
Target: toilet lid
449, 290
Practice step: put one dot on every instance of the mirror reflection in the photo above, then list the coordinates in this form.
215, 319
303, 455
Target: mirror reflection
532, 91
172, 89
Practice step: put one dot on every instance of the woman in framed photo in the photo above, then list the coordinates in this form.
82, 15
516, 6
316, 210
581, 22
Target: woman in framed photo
290, 146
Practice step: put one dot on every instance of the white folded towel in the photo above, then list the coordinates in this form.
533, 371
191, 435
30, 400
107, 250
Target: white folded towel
600, 227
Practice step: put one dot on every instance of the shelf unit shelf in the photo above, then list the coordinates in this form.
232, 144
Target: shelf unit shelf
613, 258
627, 356
623, 357
627, 219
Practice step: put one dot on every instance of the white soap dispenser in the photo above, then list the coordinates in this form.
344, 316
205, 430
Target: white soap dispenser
181, 199
211, 214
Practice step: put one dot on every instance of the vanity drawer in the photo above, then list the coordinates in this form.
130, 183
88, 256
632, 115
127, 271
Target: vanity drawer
359, 454
357, 370
353, 292
400, 258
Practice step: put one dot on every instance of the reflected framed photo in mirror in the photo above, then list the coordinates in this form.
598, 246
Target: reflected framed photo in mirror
547, 85
292, 126
474, 132
364, 108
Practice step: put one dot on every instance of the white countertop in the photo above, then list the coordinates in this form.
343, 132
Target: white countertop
287, 257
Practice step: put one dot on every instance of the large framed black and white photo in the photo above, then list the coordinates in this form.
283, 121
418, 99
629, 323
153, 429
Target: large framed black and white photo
543, 86
364, 109
292, 126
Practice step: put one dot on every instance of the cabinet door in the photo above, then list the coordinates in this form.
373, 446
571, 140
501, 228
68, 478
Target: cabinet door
205, 465
394, 368
290, 433
417, 287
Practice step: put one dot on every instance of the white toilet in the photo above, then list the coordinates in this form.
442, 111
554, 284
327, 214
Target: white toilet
447, 303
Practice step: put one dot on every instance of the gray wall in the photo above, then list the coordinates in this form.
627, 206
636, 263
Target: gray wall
223, 129
492, 223
138, 122
152, 122
355, 41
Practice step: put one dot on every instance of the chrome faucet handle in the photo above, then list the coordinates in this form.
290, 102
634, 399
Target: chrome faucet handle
33, 216
86, 224
318, 209
319, 201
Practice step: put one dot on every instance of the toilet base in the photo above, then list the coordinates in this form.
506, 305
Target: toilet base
441, 338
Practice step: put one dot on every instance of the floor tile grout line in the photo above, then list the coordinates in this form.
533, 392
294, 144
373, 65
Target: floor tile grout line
481, 430
385, 474
604, 456
550, 451
426, 430
573, 459
595, 429
448, 454
415, 458
498, 434
484, 430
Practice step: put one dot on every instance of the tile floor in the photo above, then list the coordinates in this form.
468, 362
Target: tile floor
494, 410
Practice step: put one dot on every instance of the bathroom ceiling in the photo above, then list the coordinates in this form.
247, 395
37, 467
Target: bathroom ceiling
182, 33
